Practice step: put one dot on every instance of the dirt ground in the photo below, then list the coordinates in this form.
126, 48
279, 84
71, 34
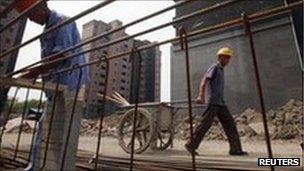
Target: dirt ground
109, 146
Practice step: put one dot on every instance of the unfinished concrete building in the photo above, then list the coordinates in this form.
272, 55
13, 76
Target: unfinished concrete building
119, 69
9, 38
277, 46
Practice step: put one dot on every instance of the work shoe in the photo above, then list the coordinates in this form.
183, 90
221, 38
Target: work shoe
238, 153
190, 150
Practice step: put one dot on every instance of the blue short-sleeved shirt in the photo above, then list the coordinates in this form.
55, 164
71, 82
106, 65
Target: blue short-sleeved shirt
59, 40
214, 91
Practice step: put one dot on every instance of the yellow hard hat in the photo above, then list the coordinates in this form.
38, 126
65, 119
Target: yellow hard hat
225, 51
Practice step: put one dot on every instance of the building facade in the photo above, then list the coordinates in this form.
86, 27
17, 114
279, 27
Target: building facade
8, 39
119, 78
276, 48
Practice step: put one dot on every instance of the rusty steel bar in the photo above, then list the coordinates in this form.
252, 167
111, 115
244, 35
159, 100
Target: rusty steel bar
51, 121
8, 114
103, 112
71, 119
22, 15
248, 33
236, 22
208, 30
229, 24
8, 8
185, 48
183, 18
95, 38
21, 122
136, 68
36, 122
63, 23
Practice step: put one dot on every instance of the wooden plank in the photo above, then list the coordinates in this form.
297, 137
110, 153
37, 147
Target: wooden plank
23, 83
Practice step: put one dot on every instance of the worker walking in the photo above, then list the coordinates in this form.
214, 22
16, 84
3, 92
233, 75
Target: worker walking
59, 117
211, 92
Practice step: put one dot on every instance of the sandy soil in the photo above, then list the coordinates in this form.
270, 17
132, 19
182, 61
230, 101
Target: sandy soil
109, 146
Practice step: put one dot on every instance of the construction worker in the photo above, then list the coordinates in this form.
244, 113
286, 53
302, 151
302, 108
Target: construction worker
211, 92
52, 43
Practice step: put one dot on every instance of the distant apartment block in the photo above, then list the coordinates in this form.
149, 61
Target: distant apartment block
119, 79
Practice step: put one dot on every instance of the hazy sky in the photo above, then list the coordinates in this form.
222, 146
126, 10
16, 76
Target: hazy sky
126, 11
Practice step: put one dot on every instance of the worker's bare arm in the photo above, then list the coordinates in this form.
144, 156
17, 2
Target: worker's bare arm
201, 92
41, 69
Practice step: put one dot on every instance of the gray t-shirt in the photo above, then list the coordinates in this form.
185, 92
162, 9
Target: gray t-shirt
214, 89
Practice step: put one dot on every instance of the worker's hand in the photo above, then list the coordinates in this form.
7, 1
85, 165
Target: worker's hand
35, 72
200, 100
31, 74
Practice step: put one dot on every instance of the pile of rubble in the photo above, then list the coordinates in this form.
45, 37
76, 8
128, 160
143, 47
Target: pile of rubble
284, 123
109, 127
182, 130
14, 125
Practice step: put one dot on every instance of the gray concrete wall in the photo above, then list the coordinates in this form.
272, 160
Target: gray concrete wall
221, 14
277, 59
8, 38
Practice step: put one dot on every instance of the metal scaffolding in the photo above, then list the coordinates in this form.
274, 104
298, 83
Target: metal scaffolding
244, 21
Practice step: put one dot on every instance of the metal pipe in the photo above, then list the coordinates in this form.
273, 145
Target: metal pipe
208, 30
248, 32
21, 123
51, 121
183, 18
103, 112
22, 15
136, 67
184, 46
51, 29
32, 141
8, 114
180, 101
71, 120
36, 122
95, 38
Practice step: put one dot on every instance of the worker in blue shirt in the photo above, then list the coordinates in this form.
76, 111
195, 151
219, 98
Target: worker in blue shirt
55, 42
58, 110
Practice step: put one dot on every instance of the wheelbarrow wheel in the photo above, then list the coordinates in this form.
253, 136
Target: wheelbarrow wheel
144, 131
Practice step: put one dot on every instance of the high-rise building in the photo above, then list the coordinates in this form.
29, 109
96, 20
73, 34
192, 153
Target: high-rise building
120, 69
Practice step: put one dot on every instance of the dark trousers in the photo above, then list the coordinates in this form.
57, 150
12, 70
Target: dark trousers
227, 122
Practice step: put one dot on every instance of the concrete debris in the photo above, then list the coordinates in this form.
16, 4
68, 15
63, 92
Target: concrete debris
91, 127
283, 123
14, 125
